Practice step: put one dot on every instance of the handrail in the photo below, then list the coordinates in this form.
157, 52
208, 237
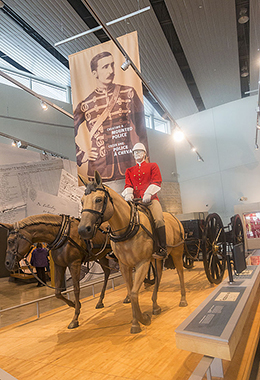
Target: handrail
71, 289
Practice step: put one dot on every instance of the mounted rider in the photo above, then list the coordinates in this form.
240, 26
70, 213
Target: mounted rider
144, 181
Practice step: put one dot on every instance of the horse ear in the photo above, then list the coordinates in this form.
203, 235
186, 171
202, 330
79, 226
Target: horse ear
97, 178
84, 180
7, 226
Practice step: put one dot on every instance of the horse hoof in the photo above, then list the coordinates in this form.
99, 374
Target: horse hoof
146, 319
157, 311
99, 305
127, 300
183, 303
73, 325
135, 329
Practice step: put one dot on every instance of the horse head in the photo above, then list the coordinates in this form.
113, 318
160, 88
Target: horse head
97, 206
17, 245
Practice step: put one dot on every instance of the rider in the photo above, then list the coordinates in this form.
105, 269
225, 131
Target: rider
144, 181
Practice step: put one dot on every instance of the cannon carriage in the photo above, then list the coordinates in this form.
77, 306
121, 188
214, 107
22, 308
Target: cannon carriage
207, 239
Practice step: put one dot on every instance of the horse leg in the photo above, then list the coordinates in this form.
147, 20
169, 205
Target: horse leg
75, 275
178, 262
128, 278
104, 262
138, 316
59, 273
158, 276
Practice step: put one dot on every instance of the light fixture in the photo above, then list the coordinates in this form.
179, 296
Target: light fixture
193, 149
178, 135
44, 106
256, 146
2, 4
244, 72
258, 126
22, 144
126, 64
14, 143
243, 17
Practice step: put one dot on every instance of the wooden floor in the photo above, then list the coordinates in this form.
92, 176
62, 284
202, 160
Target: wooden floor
102, 348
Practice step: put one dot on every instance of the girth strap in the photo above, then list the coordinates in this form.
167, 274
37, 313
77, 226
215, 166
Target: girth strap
132, 228
63, 233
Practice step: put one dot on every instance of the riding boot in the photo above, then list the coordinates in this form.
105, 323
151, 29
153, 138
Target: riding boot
162, 253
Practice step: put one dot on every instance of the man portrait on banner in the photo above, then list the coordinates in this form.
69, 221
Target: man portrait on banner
113, 115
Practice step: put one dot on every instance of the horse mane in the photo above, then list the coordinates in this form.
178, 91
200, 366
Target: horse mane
54, 220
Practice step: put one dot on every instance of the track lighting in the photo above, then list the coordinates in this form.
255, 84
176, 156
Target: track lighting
44, 106
126, 64
22, 144
14, 143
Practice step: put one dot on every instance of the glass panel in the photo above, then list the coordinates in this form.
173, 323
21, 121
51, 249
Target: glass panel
47, 90
161, 125
252, 222
23, 80
148, 123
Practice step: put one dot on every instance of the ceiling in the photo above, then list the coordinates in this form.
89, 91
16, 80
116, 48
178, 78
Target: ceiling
191, 51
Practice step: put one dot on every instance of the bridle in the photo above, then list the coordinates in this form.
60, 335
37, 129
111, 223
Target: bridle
100, 214
14, 252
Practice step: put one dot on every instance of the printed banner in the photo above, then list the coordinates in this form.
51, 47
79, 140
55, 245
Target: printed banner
108, 108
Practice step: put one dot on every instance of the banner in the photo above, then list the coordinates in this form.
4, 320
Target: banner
108, 108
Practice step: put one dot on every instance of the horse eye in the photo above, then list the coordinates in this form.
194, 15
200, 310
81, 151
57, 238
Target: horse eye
98, 200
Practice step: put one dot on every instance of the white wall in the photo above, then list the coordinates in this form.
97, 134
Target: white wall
224, 137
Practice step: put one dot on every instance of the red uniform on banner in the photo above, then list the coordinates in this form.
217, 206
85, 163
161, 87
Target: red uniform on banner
139, 177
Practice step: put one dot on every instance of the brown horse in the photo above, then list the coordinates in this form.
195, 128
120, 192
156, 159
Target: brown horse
131, 242
68, 250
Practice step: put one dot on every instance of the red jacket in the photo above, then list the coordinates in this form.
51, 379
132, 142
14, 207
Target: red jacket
139, 177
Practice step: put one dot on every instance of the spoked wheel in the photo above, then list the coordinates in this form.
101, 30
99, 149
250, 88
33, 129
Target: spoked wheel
188, 261
237, 231
214, 249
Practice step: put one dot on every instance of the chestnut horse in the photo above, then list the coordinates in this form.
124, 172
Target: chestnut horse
69, 251
131, 240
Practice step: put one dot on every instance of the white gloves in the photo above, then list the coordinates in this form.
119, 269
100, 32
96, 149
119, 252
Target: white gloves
129, 197
147, 197
151, 190
128, 194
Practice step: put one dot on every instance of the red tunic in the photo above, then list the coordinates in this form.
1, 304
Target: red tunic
140, 177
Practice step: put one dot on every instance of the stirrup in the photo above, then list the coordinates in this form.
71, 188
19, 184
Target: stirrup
161, 254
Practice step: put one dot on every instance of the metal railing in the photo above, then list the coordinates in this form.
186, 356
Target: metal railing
67, 291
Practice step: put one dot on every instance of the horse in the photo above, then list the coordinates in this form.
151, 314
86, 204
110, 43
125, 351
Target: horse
67, 250
131, 240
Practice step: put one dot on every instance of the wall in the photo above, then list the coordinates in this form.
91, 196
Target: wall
224, 136
21, 116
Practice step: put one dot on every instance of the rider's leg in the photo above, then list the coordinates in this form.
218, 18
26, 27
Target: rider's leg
157, 213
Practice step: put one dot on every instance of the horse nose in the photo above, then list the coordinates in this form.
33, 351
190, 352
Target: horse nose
7, 264
85, 231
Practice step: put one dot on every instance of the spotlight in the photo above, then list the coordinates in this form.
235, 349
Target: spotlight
243, 18
193, 149
125, 65
178, 135
244, 72
14, 143
44, 106
1, 4
258, 126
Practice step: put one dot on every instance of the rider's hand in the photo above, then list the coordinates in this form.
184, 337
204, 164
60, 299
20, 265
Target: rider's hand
129, 197
147, 198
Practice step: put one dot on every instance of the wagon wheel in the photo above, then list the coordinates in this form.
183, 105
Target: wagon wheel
237, 231
188, 261
214, 249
